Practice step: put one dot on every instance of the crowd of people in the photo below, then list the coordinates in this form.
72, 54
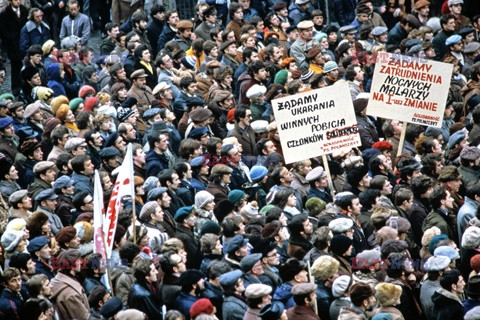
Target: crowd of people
220, 226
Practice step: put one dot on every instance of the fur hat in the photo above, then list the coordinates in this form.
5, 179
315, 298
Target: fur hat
393, 246
57, 102
62, 112
340, 244
35, 222
388, 294
84, 231
324, 268
429, 234
384, 234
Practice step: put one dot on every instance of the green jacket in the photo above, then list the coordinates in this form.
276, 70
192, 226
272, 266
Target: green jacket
446, 224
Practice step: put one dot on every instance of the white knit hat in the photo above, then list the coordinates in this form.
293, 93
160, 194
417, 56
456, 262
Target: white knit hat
202, 198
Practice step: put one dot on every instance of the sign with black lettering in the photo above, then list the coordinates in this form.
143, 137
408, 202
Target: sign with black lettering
316, 122
410, 89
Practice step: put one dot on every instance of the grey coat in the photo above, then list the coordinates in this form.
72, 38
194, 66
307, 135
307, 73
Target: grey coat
233, 308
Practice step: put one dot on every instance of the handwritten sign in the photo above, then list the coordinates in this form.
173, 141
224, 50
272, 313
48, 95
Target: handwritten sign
317, 122
410, 89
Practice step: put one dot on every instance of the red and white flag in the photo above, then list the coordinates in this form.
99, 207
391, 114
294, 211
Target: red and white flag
98, 216
123, 187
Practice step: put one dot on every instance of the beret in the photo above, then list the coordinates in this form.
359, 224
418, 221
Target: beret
150, 183
305, 24
43, 166
359, 105
148, 209
249, 261
369, 257
37, 243
138, 74
465, 31
200, 115
150, 113
182, 213
11, 238
74, 143
272, 311
201, 306
341, 285
17, 196
156, 193
210, 227
70, 255
446, 251
348, 29
315, 206
161, 127
190, 277
436, 263
197, 133
230, 278
453, 40
47, 46
90, 102
5, 122
457, 137
471, 47
473, 101
235, 196
259, 126
86, 90
75, 103
124, 113
111, 307
31, 109
471, 238
47, 194
330, 66
475, 263
256, 91
197, 101
340, 225
197, 161
108, 152
303, 288
226, 44
15, 105
421, 3
279, 6
362, 8
435, 240
470, 153
257, 290
160, 87
413, 42
62, 182
184, 24
66, 234
316, 174
236, 243
432, 132
379, 30
129, 102
257, 173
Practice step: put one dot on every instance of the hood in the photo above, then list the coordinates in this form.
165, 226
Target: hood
442, 297
53, 72
244, 76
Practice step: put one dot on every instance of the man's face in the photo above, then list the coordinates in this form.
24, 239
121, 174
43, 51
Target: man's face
140, 82
356, 207
9, 131
238, 15
165, 200
173, 19
186, 34
318, 20
13, 173
14, 284
457, 47
30, 267
248, 117
359, 74
460, 285
49, 176
262, 74
139, 156
164, 143
448, 202
365, 182
270, 147
363, 17
131, 132
307, 227
307, 34
89, 167
231, 49
97, 140
387, 188
424, 11
35, 80
456, 9
88, 203
245, 4
152, 276
15, 3
175, 182
167, 62
74, 9
46, 290
45, 253
450, 25
113, 162
277, 54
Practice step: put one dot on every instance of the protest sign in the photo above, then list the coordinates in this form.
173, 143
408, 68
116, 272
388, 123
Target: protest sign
316, 122
410, 89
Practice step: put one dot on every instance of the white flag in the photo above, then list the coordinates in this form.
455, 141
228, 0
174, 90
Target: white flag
123, 187
98, 216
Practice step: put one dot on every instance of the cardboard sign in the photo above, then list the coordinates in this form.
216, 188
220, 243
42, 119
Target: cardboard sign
410, 89
316, 122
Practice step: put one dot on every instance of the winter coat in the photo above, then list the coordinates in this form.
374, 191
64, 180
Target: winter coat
284, 295
368, 132
247, 139
184, 302
233, 308
298, 247
144, 96
447, 306
219, 192
30, 35
10, 303
154, 30
169, 289
394, 312
215, 295
397, 34
142, 297
301, 313
464, 215
352, 312
297, 15
324, 300
337, 305
427, 290
36, 187
82, 182
69, 298
79, 26
417, 214
446, 223
10, 28
472, 87
155, 163
122, 9
192, 247
409, 306
122, 280
55, 82
42, 268
345, 11
299, 50
166, 35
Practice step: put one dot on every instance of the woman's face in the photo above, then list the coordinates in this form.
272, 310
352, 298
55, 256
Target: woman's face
292, 200
250, 43
21, 246
209, 206
218, 248
106, 125
324, 43
122, 93
46, 228
228, 80
107, 183
38, 154
144, 241
120, 144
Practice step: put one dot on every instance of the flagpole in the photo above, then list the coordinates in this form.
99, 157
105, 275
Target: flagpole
109, 275
134, 219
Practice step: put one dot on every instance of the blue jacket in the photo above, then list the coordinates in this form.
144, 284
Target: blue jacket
82, 182
284, 295
155, 163
296, 14
142, 298
397, 34
167, 35
54, 79
79, 26
184, 302
324, 300
10, 302
30, 35
42, 268
215, 295
345, 11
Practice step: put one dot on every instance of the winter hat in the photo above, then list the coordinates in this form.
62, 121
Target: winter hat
436, 263
124, 113
66, 234
16, 224
90, 103
189, 62
281, 77
150, 184
250, 210
201, 306
75, 103
403, 225
388, 294
429, 234
85, 90
84, 231
369, 257
103, 97
257, 173
341, 285
475, 263
28, 72
235, 196
35, 222
43, 93
384, 234
148, 209
315, 206
393, 246
473, 314
435, 240
202, 198
62, 112
340, 244
117, 87
210, 226
57, 102
446, 251
11, 238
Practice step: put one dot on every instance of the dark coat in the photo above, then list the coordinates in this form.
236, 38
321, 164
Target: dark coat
142, 297
368, 132
215, 295
10, 302
246, 139
184, 302
397, 34
446, 305
167, 35
30, 35
42, 268
416, 216
155, 163
301, 313
10, 28
192, 247
169, 290
218, 191
345, 12
298, 247
154, 30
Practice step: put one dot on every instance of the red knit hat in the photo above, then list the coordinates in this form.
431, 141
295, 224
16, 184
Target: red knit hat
382, 145
85, 90
231, 115
475, 263
201, 306
90, 103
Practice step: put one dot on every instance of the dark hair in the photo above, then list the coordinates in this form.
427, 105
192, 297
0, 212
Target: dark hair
156, 8
378, 182
96, 295
167, 263
141, 268
429, 162
368, 198
240, 113
254, 67
165, 176
216, 268
78, 163
401, 195
129, 251
449, 278
181, 168
345, 201
78, 199
472, 189
19, 260
82, 119
350, 72
57, 134
247, 53
233, 8
281, 197
34, 49
444, 19
185, 82
208, 46
439, 193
